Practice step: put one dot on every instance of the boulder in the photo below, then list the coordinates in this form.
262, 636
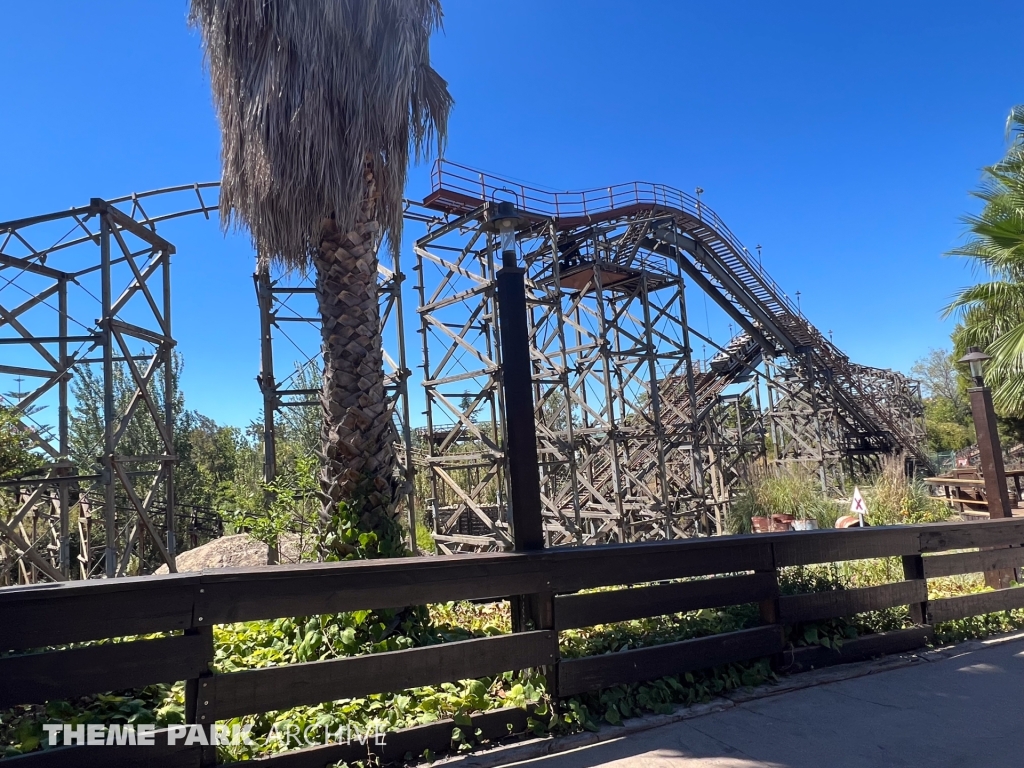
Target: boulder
237, 551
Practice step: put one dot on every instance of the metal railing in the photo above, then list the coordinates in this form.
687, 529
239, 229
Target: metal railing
450, 176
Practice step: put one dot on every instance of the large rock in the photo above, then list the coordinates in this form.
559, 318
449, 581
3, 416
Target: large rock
238, 551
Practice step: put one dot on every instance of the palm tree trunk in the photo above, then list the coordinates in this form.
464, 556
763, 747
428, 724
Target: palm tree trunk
357, 480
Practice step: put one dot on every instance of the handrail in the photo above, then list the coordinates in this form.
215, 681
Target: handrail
447, 175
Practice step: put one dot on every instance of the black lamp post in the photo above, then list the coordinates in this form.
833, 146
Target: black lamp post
520, 424
517, 383
975, 360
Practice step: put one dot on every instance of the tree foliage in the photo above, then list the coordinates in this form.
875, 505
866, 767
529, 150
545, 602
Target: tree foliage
991, 313
208, 453
220, 468
947, 412
310, 94
16, 456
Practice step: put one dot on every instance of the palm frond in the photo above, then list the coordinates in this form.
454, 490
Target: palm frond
310, 95
998, 298
991, 313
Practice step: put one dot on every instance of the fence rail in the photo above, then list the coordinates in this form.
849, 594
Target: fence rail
731, 571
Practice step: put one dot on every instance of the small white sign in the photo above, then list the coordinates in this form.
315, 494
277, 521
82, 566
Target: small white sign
857, 505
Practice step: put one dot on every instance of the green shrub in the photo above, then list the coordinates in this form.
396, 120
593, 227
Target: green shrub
892, 499
896, 499
788, 491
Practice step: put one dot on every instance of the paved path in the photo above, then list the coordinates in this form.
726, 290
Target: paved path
961, 712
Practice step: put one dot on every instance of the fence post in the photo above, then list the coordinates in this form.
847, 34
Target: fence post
196, 705
913, 569
996, 491
198, 691
769, 607
539, 610
520, 425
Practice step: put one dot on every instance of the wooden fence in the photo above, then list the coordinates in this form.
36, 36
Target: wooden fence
738, 570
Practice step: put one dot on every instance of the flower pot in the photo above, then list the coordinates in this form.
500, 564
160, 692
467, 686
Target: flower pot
760, 524
805, 525
782, 522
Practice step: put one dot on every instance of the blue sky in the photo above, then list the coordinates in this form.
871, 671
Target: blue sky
842, 137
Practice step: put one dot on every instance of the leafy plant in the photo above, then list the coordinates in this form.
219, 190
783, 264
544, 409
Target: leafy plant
286, 505
896, 499
16, 456
786, 491
991, 313
21, 728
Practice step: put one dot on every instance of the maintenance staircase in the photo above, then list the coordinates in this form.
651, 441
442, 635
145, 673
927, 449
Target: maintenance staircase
723, 261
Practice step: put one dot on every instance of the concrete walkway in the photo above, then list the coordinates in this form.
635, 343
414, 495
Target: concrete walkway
966, 711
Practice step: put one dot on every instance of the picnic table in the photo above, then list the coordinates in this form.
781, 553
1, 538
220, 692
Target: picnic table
967, 493
963, 491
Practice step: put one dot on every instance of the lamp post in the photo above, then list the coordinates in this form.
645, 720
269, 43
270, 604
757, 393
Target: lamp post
517, 383
528, 611
996, 493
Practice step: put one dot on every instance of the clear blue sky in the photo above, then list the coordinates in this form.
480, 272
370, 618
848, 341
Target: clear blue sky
842, 137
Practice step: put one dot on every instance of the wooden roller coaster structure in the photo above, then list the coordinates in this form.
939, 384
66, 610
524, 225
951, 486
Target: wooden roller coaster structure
637, 438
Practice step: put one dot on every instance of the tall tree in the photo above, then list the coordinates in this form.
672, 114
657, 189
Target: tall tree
208, 454
940, 378
320, 104
947, 414
16, 457
991, 313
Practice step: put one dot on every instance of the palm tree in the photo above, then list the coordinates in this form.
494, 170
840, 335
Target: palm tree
321, 103
991, 313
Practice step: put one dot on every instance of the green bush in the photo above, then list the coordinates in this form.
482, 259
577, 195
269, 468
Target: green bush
788, 491
892, 499
895, 499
